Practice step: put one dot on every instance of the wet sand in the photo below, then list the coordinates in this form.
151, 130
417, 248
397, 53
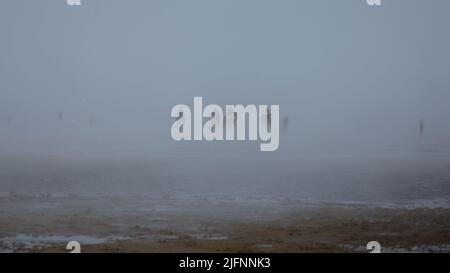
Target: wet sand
308, 204
196, 224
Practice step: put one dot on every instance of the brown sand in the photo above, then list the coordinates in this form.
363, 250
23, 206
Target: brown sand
167, 225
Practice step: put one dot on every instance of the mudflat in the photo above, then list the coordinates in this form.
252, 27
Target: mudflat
191, 224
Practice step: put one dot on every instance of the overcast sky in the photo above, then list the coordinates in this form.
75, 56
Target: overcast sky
340, 70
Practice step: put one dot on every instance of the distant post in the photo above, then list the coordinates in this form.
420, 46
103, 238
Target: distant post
421, 127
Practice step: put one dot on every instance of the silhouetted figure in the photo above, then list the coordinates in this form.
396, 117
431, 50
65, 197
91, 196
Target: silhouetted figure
421, 128
60, 117
180, 116
285, 123
9, 119
269, 119
214, 116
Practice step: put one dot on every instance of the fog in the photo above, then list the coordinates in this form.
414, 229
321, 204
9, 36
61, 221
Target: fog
86, 94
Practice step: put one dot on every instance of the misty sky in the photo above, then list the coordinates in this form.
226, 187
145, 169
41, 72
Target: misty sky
341, 71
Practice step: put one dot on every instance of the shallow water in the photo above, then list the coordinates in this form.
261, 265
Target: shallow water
403, 178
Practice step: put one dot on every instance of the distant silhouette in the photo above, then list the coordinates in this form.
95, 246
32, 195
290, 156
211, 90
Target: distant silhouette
180, 116
213, 115
60, 117
285, 123
421, 127
9, 119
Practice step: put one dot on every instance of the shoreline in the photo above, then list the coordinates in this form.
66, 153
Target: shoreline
42, 224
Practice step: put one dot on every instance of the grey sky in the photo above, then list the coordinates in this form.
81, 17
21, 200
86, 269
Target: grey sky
340, 70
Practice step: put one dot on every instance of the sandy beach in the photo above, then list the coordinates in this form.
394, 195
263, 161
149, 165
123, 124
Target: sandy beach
152, 224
